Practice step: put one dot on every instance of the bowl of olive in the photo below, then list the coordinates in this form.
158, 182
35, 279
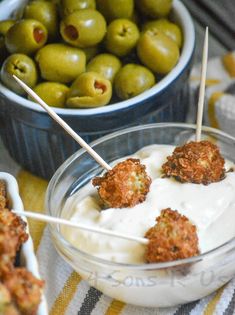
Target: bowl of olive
101, 65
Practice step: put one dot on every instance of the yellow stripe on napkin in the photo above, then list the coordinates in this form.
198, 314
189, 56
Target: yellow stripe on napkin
66, 295
32, 191
211, 109
209, 82
210, 308
229, 64
115, 308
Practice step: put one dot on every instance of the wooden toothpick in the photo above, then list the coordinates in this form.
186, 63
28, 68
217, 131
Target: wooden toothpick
63, 124
50, 219
202, 87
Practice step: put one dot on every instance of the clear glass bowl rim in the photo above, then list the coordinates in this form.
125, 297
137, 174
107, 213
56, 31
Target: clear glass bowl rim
153, 266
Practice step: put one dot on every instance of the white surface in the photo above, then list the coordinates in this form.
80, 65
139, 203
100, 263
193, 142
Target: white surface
28, 257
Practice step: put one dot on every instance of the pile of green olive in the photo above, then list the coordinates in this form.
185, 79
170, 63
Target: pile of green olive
87, 53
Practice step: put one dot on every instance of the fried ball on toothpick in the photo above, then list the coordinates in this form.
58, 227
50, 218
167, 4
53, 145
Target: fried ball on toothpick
173, 237
195, 162
126, 185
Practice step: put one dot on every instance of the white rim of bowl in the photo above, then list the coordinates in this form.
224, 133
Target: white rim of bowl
230, 244
186, 54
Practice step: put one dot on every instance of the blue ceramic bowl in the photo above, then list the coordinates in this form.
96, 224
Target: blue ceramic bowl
40, 145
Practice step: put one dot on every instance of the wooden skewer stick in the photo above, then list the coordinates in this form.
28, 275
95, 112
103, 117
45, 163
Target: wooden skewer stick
50, 219
63, 124
202, 87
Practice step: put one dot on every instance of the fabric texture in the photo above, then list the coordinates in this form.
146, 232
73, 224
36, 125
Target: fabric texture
219, 109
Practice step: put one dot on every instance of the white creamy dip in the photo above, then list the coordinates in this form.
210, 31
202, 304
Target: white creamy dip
211, 208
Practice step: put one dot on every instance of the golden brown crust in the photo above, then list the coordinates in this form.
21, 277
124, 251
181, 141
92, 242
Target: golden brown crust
7, 307
3, 195
15, 224
8, 248
173, 237
11, 220
195, 162
11, 310
126, 185
23, 287
25, 290
3, 191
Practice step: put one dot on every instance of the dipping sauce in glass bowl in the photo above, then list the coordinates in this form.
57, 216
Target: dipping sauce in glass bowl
119, 265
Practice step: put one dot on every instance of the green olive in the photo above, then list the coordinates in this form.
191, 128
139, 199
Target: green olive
83, 28
90, 89
4, 27
53, 93
60, 63
154, 8
132, 80
26, 36
70, 6
105, 64
157, 51
44, 12
122, 36
115, 9
170, 29
23, 67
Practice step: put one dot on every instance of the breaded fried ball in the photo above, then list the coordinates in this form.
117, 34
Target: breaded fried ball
8, 247
173, 237
126, 185
195, 162
15, 224
11, 220
3, 195
11, 310
6, 305
25, 290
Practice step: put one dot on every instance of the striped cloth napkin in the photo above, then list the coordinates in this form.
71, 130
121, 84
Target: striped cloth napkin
219, 108
66, 292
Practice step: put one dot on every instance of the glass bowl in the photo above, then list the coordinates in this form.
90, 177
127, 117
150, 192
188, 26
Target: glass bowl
149, 285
